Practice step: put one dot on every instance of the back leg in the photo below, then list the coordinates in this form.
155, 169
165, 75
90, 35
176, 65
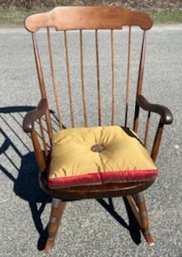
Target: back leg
138, 206
54, 221
140, 200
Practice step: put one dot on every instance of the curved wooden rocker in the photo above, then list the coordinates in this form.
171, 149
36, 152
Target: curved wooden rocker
103, 182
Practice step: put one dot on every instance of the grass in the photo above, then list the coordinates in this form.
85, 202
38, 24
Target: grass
16, 17
166, 16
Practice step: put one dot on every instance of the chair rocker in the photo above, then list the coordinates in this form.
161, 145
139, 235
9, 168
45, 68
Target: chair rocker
96, 153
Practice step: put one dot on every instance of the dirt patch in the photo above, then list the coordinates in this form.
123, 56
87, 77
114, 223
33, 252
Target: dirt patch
133, 4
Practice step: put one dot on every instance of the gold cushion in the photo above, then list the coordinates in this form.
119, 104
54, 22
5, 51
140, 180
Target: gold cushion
84, 156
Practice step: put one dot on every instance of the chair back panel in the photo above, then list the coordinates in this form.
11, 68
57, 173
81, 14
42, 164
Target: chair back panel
89, 69
73, 18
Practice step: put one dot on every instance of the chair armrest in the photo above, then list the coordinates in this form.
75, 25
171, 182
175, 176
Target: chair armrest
164, 112
32, 116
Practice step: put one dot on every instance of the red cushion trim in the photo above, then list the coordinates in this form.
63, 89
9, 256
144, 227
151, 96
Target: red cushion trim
80, 180
102, 178
128, 175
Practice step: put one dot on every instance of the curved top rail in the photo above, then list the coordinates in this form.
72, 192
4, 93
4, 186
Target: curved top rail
96, 17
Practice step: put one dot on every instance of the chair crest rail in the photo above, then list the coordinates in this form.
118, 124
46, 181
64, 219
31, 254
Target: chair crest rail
69, 18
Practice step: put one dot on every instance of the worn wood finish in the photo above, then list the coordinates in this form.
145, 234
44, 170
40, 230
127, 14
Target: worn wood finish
157, 140
165, 118
164, 112
31, 117
97, 17
71, 18
54, 221
144, 221
38, 152
138, 206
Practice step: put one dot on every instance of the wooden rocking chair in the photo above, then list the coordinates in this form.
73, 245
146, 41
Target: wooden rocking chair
91, 155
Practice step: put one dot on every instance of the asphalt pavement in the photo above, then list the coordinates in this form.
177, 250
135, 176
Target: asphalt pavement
88, 228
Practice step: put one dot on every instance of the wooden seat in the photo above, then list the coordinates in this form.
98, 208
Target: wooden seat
86, 85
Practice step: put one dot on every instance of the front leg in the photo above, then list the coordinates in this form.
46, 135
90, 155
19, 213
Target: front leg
54, 221
139, 209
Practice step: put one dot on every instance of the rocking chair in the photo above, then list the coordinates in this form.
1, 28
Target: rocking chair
86, 147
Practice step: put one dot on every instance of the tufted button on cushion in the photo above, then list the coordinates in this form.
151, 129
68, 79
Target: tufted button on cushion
97, 148
97, 155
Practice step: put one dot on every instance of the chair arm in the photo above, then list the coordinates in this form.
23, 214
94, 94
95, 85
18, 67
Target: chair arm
164, 112
32, 116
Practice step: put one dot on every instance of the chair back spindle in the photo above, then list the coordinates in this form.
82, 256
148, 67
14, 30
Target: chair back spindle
128, 76
83, 81
40, 76
69, 80
140, 80
39, 67
54, 82
113, 77
98, 77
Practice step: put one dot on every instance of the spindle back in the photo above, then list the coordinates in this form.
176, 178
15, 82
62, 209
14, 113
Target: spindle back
90, 61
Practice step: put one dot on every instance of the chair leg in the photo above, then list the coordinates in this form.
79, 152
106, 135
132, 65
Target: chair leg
138, 206
54, 221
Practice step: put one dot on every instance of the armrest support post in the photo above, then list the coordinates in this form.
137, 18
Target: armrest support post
38, 152
157, 140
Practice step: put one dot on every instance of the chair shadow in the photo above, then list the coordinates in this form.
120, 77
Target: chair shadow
132, 227
26, 185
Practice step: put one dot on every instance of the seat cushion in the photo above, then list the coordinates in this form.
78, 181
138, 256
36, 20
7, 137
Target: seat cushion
97, 155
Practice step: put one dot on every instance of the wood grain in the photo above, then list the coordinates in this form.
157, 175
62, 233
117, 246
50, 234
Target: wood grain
128, 76
83, 80
98, 77
113, 77
54, 82
97, 17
